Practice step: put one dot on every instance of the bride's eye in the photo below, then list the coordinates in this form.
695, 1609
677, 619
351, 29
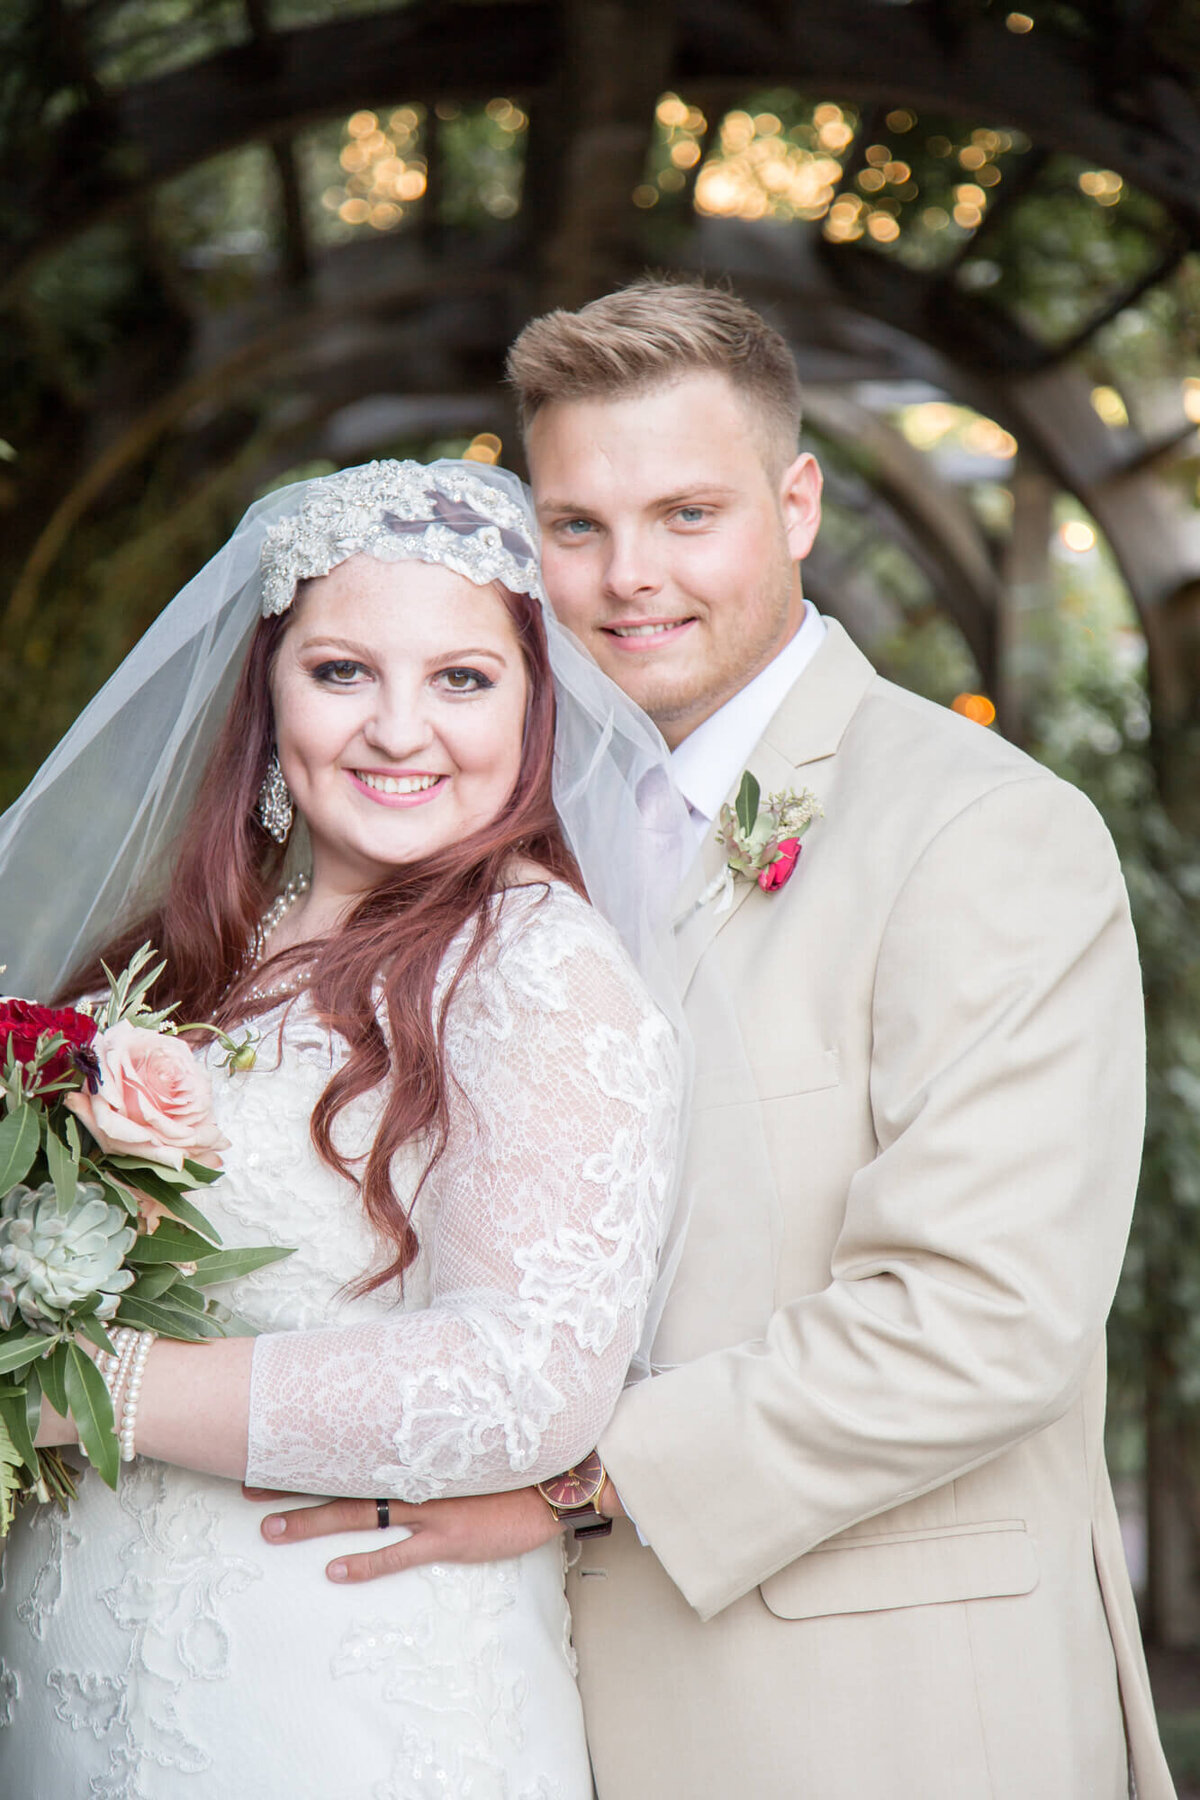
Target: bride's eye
466, 681
337, 674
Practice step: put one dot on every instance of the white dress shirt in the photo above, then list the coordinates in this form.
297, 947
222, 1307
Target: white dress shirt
710, 759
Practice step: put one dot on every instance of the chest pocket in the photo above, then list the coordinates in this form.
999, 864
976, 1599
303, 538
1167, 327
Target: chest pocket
793, 1069
918, 1568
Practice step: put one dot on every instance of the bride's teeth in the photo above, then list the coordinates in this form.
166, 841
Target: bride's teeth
398, 784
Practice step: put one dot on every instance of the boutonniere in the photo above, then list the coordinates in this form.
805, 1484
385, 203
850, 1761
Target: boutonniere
761, 843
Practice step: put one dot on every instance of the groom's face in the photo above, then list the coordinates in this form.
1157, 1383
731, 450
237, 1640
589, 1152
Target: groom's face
670, 540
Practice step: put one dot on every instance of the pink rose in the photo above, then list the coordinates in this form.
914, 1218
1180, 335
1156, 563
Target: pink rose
777, 873
154, 1099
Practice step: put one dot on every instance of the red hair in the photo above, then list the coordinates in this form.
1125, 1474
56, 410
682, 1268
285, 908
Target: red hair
227, 870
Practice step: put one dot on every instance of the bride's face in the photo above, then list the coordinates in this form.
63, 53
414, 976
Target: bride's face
399, 696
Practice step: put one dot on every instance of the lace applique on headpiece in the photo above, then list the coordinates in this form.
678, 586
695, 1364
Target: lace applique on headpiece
400, 512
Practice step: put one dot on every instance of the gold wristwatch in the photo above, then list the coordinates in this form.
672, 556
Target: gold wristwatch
573, 1497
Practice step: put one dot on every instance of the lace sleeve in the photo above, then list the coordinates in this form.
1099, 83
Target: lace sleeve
540, 1228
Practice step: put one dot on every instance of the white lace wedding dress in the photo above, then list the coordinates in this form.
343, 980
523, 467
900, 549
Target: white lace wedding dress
152, 1647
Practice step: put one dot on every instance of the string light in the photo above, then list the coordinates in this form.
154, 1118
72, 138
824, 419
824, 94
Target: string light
384, 172
976, 707
1077, 536
484, 447
757, 169
1110, 407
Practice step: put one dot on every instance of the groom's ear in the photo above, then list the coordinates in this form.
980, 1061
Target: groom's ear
800, 503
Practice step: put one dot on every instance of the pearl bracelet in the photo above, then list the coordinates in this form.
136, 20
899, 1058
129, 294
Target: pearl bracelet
133, 1394
114, 1367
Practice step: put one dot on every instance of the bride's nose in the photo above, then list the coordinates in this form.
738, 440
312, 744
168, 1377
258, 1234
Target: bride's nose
398, 725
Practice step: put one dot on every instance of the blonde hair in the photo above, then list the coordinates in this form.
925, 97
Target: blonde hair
649, 335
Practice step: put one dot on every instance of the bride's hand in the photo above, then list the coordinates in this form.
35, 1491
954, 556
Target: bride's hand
477, 1528
54, 1432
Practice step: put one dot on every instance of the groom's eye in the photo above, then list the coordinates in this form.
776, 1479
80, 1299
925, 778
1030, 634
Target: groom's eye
692, 515
575, 527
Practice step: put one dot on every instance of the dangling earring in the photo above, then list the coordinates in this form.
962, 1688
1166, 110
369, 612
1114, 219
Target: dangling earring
274, 809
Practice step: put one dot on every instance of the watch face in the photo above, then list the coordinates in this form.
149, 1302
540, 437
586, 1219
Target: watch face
578, 1486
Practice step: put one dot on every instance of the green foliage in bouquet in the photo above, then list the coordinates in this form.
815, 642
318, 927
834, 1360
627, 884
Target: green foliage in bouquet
90, 1237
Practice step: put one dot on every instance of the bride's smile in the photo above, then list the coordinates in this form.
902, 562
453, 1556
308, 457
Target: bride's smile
399, 694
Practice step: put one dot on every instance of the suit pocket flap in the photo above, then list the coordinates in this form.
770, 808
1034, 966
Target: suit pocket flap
918, 1568
790, 1069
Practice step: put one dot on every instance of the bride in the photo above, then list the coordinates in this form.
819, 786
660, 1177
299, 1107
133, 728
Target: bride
463, 1113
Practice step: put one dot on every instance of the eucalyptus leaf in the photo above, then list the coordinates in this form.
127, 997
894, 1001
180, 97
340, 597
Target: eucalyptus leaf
231, 1265
73, 1144
52, 1371
747, 803
64, 1172
168, 1321
20, 1140
13, 1412
153, 1283
170, 1242
186, 1294
17, 1352
91, 1409
162, 1172
187, 1214
148, 1181
199, 1174
94, 1332
33, 1401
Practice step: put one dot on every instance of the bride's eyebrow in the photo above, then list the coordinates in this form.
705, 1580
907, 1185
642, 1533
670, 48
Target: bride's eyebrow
332, 643
444, 657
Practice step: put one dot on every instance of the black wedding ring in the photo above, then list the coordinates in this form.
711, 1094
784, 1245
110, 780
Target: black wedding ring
383, 1512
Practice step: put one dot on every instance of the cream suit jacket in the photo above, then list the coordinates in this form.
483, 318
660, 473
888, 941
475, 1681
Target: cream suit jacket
885, 1562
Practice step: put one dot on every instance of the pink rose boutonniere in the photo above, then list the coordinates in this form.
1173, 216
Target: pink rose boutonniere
762, 843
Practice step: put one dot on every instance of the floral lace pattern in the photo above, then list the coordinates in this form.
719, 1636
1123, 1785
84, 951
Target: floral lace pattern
153, 1646
539, 1229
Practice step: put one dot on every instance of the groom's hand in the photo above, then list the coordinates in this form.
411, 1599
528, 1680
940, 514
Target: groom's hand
479, 1528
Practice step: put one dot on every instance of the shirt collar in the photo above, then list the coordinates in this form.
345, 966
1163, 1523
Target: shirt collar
710, 759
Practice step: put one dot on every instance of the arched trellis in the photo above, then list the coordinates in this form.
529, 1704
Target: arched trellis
430, 313
347, 350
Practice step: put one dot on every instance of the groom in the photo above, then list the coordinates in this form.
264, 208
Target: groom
876, 1555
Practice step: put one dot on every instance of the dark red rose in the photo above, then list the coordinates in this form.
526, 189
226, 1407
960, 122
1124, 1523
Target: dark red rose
24, 1022
777, 873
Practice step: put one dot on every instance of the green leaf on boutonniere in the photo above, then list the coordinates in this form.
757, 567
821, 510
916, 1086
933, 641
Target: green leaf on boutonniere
747, 803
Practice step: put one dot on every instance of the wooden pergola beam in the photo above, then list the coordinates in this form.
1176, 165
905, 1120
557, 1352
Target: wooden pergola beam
154, 129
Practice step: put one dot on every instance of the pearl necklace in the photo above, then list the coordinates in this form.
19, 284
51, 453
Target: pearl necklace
270, 921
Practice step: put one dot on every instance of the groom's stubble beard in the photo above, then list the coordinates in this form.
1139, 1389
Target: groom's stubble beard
741, 635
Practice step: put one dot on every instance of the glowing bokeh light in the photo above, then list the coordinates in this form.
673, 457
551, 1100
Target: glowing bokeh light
976, 707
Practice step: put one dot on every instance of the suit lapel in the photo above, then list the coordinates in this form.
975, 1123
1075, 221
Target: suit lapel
807, 728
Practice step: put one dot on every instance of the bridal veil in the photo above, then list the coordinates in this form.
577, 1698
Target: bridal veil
97, 824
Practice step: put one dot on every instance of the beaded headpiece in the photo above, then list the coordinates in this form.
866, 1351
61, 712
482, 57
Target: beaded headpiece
401, 512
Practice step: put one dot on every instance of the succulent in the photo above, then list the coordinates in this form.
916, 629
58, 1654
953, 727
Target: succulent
52, 1263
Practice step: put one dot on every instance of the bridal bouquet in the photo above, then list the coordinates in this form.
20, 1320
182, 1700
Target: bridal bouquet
106, 1128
